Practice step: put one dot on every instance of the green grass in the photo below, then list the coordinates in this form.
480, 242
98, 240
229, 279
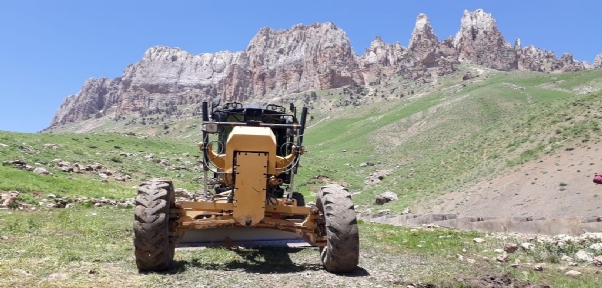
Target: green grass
30, 183
122, 155
432, 144
485, 128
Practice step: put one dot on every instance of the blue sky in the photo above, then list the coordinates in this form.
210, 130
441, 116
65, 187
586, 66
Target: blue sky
49, 48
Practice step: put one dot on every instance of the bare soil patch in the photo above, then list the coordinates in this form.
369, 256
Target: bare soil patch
558, 185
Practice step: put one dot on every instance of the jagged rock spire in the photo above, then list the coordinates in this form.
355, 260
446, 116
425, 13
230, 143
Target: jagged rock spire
598, 61
423, 34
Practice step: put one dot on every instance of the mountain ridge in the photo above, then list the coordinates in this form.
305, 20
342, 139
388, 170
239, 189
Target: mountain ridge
301, 59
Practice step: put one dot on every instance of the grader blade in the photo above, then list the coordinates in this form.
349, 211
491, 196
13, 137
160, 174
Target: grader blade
240, 236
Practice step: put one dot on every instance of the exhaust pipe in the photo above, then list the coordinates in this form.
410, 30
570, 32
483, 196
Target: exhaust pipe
300, 132
205, 156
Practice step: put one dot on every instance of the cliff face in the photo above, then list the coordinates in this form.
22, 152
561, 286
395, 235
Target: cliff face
172, 76
480, 42
300, 59
95, 96
303, 58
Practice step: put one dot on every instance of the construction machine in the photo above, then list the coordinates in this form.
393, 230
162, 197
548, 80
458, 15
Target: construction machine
253, 155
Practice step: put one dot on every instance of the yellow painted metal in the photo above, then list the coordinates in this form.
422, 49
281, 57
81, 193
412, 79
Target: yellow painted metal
250, 164
210, 206
250, 187
251, 139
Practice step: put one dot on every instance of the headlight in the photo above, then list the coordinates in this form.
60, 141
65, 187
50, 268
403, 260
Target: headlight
209, 127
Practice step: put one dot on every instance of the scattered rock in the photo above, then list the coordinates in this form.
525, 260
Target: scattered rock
376, 177
8, 199
566, 258
3, 145
502, 258
385, 197
510, 247
384, 212
538, 267
50, 145
583, 256
63, 164
478, 240
572, 273
527, 246
467, 76
596, 246
67, 169
597, 261
365, 164
41, 171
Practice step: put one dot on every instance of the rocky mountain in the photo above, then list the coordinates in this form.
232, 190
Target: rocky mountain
598, 61
303, 58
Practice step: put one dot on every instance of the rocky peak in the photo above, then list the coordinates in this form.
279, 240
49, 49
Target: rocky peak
313, 57
95, 96
475, 24
382, 54
598, 61
423, 34
303, 58
480, 42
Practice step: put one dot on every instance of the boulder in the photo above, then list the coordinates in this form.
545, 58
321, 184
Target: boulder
510, 247
385, 197
41, 171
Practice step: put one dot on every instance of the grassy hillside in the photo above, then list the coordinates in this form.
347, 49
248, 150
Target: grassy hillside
423, 141
435, 138
441, 141
121, 155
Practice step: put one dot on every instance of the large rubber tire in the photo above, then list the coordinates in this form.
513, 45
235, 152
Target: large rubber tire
154, 249
300, 199
342, 251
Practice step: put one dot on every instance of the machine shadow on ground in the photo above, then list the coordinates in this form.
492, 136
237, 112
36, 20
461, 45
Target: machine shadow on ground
261, 260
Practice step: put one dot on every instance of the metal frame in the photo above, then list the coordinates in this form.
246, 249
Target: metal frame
210, 214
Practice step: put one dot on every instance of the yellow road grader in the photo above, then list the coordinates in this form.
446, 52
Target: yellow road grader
253, 154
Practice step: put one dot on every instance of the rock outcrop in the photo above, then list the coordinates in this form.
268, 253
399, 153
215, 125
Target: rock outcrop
95, 96
169, 76
480, 42
303, 58
598, 61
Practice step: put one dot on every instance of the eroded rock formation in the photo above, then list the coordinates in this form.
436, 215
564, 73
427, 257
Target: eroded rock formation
303, 58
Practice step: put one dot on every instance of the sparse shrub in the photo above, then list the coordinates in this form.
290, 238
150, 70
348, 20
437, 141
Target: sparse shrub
116, 159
